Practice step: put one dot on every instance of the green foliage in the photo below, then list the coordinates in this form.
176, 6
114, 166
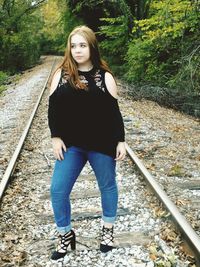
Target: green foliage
91, 11
70, 21
165, 47
21, 51
30, 28
55, 32
117, 31
3, 78
19, 43
2, 88
139, 8
187, 77
114, 45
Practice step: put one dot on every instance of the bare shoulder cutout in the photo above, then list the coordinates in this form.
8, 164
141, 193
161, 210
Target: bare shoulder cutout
55, 81
111, 84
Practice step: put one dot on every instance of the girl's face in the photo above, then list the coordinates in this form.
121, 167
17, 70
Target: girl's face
80, 50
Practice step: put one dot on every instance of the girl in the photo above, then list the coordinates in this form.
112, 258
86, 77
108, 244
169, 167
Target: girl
86, 125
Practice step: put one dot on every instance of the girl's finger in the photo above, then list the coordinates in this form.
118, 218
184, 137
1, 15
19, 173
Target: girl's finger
64, 147
57, 154
58, 157
61, 154
118, 156
121, 156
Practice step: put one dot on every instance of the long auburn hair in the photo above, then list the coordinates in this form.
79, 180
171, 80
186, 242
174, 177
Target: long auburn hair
70, 66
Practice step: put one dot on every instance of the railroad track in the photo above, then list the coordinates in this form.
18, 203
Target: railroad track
26, 216
11, 166
17, 104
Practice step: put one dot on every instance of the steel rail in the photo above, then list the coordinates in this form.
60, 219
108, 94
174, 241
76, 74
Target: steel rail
189, 234
12, 163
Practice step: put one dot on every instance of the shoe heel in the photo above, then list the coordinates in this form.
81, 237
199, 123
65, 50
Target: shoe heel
105, 248
73, 243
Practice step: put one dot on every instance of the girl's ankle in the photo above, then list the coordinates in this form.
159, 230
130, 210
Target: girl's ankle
108, 225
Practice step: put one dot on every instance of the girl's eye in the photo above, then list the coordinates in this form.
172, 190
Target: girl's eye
81, 45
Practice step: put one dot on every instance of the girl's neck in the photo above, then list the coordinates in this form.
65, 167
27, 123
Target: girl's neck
85, 67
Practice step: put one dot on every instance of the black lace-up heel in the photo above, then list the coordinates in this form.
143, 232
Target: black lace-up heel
107, 239
64, 241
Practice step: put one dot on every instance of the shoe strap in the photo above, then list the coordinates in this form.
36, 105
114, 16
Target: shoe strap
64, 241
107, 236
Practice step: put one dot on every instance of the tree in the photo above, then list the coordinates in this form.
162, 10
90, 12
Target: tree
14, 11
165, 47
55, 31
19, 33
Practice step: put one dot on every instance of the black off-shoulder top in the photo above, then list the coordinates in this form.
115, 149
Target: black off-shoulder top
88, 118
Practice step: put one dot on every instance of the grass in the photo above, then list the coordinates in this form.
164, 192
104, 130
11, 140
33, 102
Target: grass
2, 88
4, 79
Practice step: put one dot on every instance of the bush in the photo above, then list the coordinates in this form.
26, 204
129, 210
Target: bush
3, 77
115, 43
21, 51
165, 47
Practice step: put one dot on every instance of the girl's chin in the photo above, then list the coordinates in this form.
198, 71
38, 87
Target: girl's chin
81, 61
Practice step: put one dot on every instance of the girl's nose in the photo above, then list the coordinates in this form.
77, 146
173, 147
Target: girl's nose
77, 49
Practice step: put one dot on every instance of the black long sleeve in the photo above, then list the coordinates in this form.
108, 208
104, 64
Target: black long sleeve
54, 116
118, 121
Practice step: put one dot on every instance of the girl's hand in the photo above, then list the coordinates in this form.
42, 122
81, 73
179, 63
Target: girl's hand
120, 151
58, 146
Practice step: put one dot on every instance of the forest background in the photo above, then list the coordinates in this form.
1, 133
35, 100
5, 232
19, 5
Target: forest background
151, 45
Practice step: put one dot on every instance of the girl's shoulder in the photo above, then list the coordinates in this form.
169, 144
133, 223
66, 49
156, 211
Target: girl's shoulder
111, 84
100, 72
106, 75
60, 77
55, 80
108, 81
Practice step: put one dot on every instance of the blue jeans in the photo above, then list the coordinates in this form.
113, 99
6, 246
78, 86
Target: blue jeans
64, 176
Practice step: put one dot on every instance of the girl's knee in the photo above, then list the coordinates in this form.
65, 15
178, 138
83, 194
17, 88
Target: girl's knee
108, 187
57, 191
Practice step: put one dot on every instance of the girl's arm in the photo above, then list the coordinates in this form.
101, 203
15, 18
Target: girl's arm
120, 135
54, 119
55, 80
